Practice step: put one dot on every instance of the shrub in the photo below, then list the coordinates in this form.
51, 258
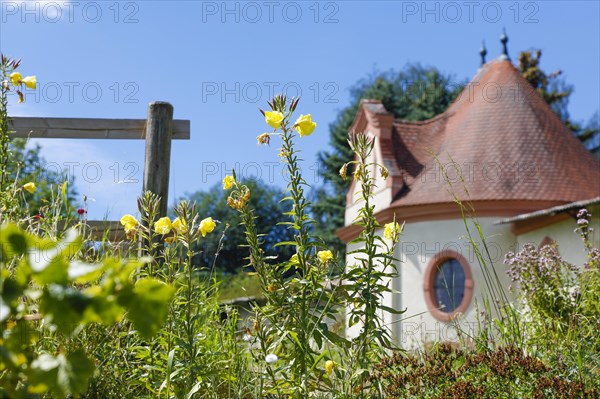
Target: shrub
560, 304
447, 372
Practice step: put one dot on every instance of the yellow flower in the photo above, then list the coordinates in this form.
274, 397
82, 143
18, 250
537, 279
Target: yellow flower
358, 172
207, 226
274, 119
15, 78
391, 230
294, 259
264, 138
238, 199
384, 172
128, 219
329, 366
228, 182
344, 171
30, 187
304, 125
129, 223
163, 226
324, 256
180, 226
233, 203
30, 82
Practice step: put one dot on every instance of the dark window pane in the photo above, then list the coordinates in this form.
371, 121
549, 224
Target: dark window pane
449, 285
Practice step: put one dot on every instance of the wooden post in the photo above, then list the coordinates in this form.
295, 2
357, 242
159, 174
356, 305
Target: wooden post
159, 130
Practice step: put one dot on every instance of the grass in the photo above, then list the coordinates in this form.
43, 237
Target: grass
232, 286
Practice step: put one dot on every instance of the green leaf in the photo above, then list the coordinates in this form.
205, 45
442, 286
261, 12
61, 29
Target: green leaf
318, 338
10, 289
13, 242
43, 373
81, 272
123, 270
458, 362
318, 359
392, 310
48, 261
62, 375
149, 305
54, 271
64, 306
335, 338
104, 308
75, 372
283, 243
64, 190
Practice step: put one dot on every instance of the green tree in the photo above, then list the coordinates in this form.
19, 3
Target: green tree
269, 212
414, 93
556, 92
27, 165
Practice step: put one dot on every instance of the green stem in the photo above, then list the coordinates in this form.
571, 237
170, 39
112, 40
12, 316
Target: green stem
370, 247
303, 241
189, 324
4, 137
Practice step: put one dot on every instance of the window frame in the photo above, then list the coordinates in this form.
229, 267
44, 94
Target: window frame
429, 280
546, 241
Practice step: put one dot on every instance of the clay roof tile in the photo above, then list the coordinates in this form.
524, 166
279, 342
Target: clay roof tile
500, 136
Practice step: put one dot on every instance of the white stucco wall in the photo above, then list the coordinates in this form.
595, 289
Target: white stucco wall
418, 244
422, 240
381, 200
570, 245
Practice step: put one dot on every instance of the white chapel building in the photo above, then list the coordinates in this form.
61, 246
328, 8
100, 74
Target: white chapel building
526, 176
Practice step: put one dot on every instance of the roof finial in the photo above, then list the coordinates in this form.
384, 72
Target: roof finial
504, 40
482, 53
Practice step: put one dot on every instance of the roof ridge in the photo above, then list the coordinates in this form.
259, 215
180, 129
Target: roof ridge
450, 111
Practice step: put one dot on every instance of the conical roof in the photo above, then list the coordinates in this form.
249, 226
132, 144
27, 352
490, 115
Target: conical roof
503, 139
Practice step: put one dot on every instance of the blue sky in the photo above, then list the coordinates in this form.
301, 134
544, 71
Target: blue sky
217, 62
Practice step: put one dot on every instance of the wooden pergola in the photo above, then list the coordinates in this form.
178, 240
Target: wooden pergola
158, 129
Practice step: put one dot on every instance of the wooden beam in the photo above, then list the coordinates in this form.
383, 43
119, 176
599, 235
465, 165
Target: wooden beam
99, 229
113, 230
89, 128
525, 226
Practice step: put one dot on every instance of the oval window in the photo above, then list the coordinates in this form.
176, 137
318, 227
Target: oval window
448, 285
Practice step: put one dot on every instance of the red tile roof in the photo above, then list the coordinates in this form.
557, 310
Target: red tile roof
506, 142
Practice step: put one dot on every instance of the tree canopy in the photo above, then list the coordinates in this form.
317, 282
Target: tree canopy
264, 199
27, 165
556, 92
